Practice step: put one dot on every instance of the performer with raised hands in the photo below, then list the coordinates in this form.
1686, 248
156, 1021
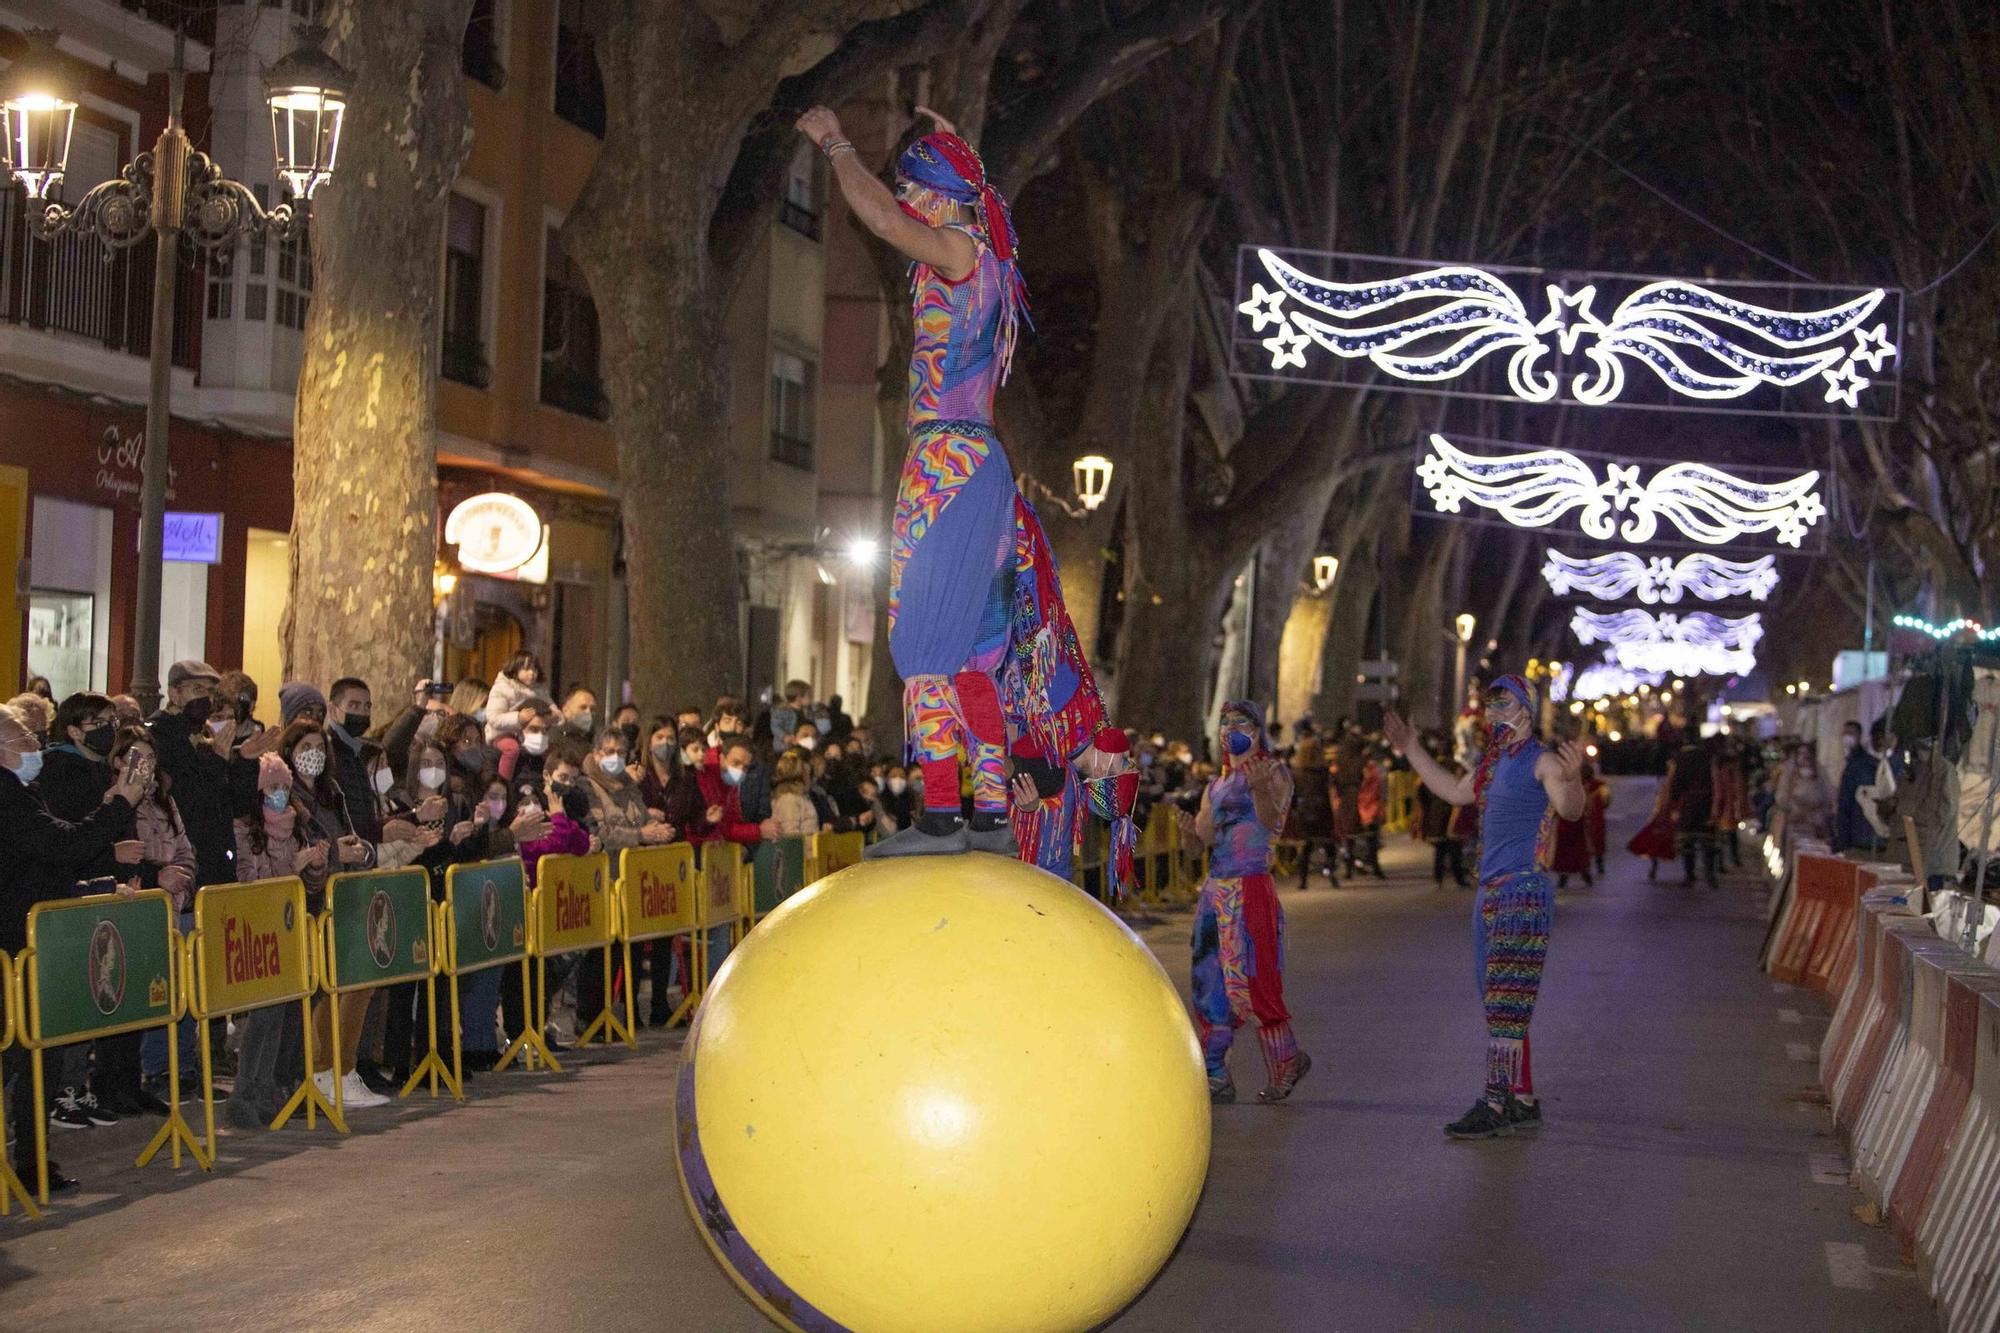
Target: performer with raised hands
1521, 788
961, 527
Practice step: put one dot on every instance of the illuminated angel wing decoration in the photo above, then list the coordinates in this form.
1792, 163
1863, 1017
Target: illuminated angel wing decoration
1659, 579
1698, 644
1737, 346
1461, 315
1530, 490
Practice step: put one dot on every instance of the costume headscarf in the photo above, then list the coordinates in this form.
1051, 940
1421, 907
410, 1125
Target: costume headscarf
1500, 744
948, 173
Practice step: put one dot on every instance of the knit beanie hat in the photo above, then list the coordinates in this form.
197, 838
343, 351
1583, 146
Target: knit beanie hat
296, 698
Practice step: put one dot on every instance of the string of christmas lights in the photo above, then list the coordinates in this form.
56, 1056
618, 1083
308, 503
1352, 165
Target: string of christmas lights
1950, 629
1700, 343
1533, 490
1659, 578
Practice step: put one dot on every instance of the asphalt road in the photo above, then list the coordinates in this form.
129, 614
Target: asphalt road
1681, 1182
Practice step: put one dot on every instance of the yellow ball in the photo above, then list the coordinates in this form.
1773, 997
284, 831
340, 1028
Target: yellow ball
942, 1094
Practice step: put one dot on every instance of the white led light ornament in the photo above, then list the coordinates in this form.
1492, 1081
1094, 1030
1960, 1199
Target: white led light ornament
1604, 680
1693, 645
1435, 324
1533, 490
1660, 578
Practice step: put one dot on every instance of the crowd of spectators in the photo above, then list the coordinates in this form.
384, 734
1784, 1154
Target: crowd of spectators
96, 798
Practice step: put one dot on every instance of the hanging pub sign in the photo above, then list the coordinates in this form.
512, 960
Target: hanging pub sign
501, 536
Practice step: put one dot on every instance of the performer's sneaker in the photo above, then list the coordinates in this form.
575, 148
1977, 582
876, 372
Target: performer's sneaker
929, 836
1222, 1092
998, 839
1483, 1121
1524, 1116
1295, 1069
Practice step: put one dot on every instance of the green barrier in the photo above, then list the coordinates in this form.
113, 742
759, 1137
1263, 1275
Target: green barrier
780, 869
96, 967
379, 930
485, 924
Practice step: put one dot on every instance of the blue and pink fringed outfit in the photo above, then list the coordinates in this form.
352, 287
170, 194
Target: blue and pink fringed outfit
1239, 934
951, 555
1515, 905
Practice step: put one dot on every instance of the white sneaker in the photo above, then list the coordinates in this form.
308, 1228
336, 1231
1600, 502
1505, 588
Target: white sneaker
356, 1093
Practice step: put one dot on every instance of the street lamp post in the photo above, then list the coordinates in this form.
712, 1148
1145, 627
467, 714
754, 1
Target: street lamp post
171, 193
1465, 625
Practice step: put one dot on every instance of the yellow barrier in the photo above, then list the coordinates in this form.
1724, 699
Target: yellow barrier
656, 900
1401, 789
379, 929
571, 908
11, 1187
266, 958
828, 852
95, 967
727, 899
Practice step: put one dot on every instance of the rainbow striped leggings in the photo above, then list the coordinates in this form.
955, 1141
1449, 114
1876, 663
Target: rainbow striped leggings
1510, 940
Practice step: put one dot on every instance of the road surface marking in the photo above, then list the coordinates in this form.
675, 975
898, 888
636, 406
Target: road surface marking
1847, 1266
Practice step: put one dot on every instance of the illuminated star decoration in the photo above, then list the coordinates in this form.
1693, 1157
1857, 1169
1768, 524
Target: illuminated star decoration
1698, 342
1697, 644
1659, 578
1533, 490
1287, 348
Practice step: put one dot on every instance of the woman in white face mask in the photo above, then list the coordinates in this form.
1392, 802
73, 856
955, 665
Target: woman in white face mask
618, 814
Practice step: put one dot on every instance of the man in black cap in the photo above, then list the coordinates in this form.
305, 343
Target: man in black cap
210, 785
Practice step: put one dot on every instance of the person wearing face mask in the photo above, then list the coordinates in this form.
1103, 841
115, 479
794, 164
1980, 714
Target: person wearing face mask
668, 784
579, 715
76, 772
164, 836
618, 813
897, 798
351, 716
805, 736
45, 855
560, 801
722, 783
517, 695
1239, 929
214, 779
1851, 829
36, 714
280, 840
1520, 787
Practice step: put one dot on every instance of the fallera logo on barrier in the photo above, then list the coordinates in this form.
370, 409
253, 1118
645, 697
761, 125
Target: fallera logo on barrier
657, 884
575, 906
252, 946
381, 929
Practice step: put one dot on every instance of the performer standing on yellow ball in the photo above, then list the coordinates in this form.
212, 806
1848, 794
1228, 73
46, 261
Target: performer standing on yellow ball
962, 533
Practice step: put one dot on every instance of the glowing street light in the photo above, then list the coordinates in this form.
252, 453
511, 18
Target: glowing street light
1092, 475
1325, 568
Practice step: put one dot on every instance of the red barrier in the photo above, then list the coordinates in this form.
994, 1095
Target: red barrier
1859, 997
1826, 894
1946, 1107
1891, 986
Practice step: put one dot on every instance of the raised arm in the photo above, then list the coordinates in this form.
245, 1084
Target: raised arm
1560, 773
1402, 738
948, 251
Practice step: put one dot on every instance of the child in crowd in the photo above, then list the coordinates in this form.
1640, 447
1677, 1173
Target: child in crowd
517, 697
791, 806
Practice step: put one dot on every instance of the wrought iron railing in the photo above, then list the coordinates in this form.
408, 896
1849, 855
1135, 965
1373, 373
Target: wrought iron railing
67, 286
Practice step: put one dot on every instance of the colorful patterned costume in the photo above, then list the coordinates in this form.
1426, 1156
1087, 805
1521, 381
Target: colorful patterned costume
953, 536
1239, 932
1514, 907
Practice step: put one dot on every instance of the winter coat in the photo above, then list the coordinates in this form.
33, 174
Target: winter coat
274, 859
1312, 801
617, 809
1434, 816
566, 838
211, 791
503, 706
73, 786
794, 811
734, 826
350, 770
44, 854
679, 799
165, 836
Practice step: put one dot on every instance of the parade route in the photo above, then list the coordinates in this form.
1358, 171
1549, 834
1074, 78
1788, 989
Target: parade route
1680, 1181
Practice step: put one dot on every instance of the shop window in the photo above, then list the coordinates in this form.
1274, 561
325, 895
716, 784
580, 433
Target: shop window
60, 639
570, 375
793, 379
579, 83
805, 193
480, 52
295, 277
463, 354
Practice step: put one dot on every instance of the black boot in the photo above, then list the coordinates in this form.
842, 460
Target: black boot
934, 834
992, 833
